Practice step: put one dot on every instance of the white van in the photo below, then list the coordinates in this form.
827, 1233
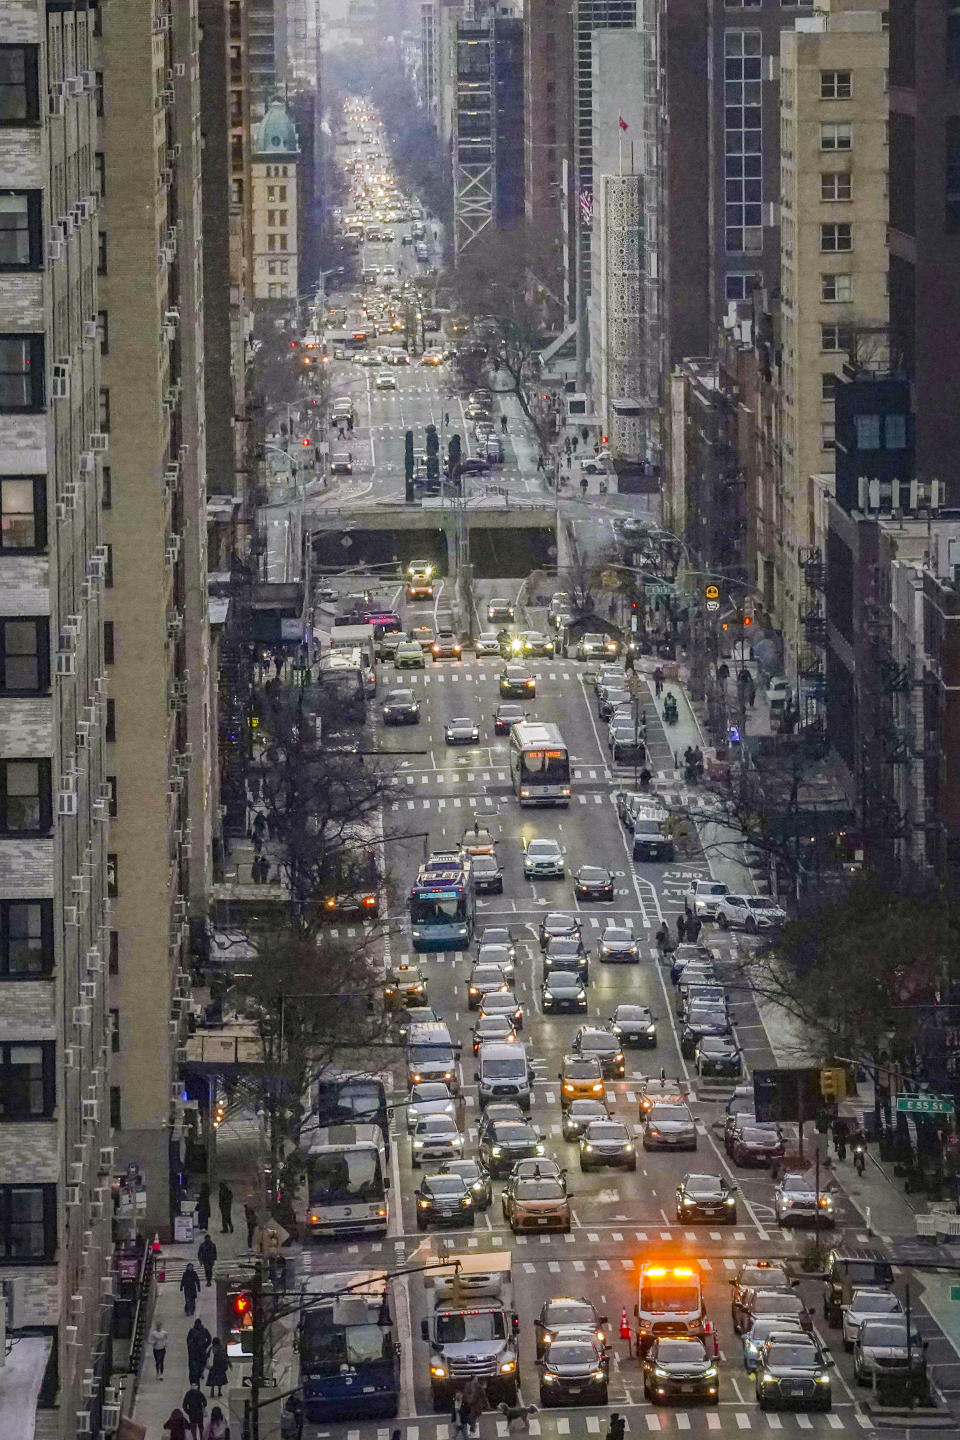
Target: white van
504, 1073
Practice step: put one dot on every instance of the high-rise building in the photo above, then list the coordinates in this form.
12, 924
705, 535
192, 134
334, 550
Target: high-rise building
925, 226
833, 273
488, 127
274, 157
56, 1165
429, 79
156, 638
263, 48
548, 129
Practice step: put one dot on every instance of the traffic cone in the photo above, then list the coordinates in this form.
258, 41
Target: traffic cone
624, 1325
159, 1261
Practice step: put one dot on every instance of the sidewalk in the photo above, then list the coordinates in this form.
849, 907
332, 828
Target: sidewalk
239, 1161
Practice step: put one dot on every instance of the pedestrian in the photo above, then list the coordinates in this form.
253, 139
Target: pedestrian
198, 1347
575, 442
158, 1340
694, 926
840, 1138
744, 678
540, 464
585, 433
658, 682
220, 1363
218, 1429
190, 1285
207, 1255
225, 1201
459, 1416
503, 423
250, 1216
681, 929
645, 777
663, 938
177, 1424
446, 417
193, 1405
203, 1207
475, 1402
615, 1429
752, 695
584, 487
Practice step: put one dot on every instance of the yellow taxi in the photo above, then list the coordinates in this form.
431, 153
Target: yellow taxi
580, 1079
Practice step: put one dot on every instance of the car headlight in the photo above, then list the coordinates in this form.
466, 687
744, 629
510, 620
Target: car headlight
477, 1185
826, 1202
823, 1379
424, 1204
438, 1371
597, 1089
651, 1029
549, 1377
660, 1373
710, 1373
568, 1089
730, 1200
786, 1201
629, 1146
685, 1200
539, 1149
508, 1367
618, 1058
418, 1144
767, 1378
496, 1150
598, 1375
466, 1200
586, 1146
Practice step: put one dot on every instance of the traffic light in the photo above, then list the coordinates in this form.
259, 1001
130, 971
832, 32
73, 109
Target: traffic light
242, 1319
833, 1082
305, 442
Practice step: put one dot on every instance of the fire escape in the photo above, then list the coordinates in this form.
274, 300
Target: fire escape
811, 660
884, 745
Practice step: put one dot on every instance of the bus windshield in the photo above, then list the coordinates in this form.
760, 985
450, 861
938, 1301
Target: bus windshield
346, 1176
351, 1102
438, 905
326, 1348
550, 767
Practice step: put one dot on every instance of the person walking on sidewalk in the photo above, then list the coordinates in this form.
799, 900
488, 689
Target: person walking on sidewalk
681, 929
225, 1201
177, 1425
198, 1348
203, 1207
540, 464
220, 1363
250, 1216
218, 1429
840, 1138
207, 1255
159, 1338
190, 1285
658, 682
193, 1405
459, 1416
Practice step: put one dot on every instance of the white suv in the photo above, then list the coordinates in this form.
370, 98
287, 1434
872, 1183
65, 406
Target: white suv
703, 896
542, 859
749, 912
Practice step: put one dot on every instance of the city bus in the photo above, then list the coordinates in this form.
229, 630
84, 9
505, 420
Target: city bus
348, 1097
442, 909
539, 764
346, 675
345, 1181
349, 1355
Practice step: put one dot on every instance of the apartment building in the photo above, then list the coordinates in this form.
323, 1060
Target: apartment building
56, 1163
274, 157
548, 129
265, 44
155, 604
833, 264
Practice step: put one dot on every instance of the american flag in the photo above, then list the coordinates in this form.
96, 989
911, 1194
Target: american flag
586, 206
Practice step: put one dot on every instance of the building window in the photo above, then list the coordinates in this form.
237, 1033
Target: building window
21, 230
113, 966
108, 642
28, 1222
103, 331
23, 513
28, 1088
25, 797
836, 185
836, 287
99, 92
112, 803
115, 1032
101, 253
835, 338
115, 1108
103, 410
26, 938
743, 150
108, 568
952, 43
271, 242
895, 432
271, 218
281, 193
281, 217
836, 135
21, 373
271, 267
836, 238
827, 438
113, 887
281, 242
106, 491
110, 725
739, 286
836, 84
828, 387
24, 655
867, 431
19, 85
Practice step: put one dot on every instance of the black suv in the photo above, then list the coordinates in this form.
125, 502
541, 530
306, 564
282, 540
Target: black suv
849, 1270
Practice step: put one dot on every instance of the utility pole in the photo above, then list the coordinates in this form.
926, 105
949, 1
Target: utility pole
252, 1427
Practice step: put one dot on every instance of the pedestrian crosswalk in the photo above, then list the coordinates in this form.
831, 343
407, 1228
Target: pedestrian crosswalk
727, 1418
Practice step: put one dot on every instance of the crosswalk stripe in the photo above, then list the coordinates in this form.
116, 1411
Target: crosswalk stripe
603, 1264
593, 1424
834, 1421
533, 1425
653, 1422
713, 1422
563, 1425
683, 1422
774, 1422
743, 1420
804, 1422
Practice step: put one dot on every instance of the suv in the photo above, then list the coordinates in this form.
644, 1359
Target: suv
749, 912
849, 1270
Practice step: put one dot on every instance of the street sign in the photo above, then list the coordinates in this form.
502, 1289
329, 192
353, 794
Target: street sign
924, 1105
713, 605
955, 1292
712, 593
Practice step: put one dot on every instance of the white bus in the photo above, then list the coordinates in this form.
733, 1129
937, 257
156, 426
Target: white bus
539, 764
345, 1190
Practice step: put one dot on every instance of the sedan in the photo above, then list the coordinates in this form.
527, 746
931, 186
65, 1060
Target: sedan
598, 1043
429, 1097
685, 955
506, 1141
573, 1370
751, 913
718, 1055
486, 875
795, 1373
626, 743
593, 882
563, 991
506, 716
669, 1127
483, 981
493, 1027
678, 1367
436, 1138
755, 1275
488, 643
503, 1004
565, 1313
516, 681
542, 860
462, 731
580, 1078
499, 935
706, 1197
408, 656
534, 642
476, 1178
444, 1199
499, 608
634, 1025
556, 923
401, 707
867, 1305
881, 1346
618, 944
607, 1142
610, 697
497, 952
652, 839
499, 1110
699, 1024
782, 1303
581, 1113
597, 647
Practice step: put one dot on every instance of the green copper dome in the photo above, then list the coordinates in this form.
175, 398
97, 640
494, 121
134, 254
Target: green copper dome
276, 133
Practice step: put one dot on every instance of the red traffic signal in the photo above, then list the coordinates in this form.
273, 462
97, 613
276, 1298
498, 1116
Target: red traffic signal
748, 620
305, 442
604, 439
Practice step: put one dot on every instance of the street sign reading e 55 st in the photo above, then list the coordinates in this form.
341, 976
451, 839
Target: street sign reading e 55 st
924, 1105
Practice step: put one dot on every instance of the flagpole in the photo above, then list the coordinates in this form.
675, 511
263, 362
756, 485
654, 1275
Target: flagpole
619, 150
